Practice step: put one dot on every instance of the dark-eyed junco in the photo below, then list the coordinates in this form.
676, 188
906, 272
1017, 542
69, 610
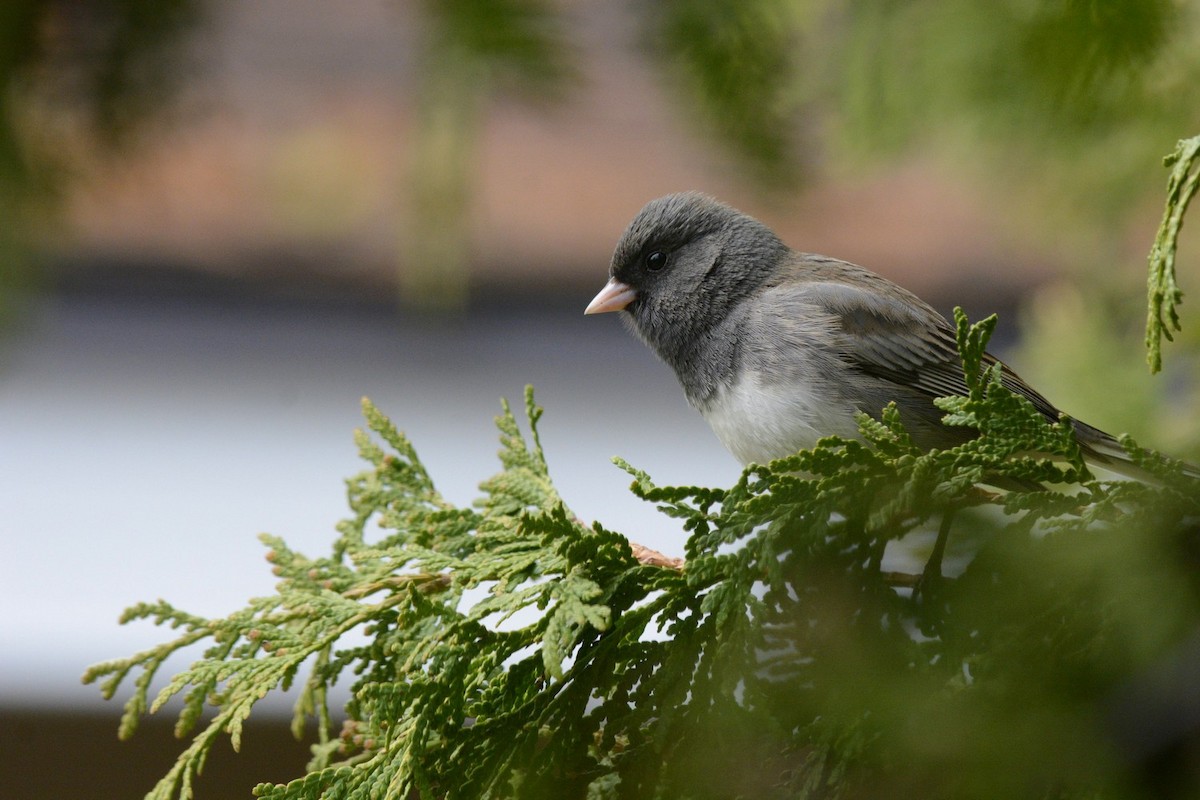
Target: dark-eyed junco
776, 348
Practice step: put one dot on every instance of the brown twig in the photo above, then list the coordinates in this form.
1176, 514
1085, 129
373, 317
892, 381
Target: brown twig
653, 558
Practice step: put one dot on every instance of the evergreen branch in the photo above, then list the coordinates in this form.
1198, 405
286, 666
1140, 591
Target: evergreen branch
1162, 318
511, 651
972, 346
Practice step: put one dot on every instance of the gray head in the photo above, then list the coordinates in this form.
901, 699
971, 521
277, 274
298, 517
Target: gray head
683, 263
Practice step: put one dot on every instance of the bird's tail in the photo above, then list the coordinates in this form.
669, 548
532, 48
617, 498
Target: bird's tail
1105, 451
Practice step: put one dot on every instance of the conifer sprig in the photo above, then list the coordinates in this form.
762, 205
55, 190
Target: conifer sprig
1162, 319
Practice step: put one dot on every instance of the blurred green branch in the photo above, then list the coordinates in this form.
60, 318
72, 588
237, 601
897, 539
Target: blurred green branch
736, 65
76, 77
470, 50
93, 71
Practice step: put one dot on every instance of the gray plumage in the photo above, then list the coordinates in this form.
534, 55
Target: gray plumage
778, 348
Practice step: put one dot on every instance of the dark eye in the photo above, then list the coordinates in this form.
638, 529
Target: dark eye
656, 261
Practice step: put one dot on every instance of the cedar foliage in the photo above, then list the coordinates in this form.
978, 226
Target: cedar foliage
782, 660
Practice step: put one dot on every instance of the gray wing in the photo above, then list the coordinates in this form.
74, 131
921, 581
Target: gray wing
907, 348
891, 338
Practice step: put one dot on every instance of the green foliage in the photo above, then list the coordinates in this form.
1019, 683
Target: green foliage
1070, 94
1037, 67
469, 51
510, 650
735, 63
70, 71
101, 69
520, 43
1072, 97
1165, 294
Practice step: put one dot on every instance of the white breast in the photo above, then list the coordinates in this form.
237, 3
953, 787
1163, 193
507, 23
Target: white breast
759, 420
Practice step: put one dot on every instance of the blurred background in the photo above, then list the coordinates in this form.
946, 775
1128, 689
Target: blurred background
221, 224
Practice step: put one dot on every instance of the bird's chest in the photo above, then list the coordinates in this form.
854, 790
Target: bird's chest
759, 420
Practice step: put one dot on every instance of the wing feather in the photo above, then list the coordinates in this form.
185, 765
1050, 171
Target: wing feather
897, 337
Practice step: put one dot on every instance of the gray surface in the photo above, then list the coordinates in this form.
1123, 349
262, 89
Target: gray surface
145, 444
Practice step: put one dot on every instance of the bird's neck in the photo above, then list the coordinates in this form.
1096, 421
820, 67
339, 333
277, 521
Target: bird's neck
704, 362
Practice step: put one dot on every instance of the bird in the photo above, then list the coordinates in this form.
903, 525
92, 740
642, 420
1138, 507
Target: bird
778, 348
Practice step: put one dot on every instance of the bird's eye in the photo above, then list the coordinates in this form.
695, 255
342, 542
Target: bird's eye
656, 261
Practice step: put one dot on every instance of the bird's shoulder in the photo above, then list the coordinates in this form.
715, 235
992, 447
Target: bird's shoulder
882, 329
873, 321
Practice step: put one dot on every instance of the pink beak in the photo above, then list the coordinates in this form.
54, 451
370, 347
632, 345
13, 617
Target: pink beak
613, 297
